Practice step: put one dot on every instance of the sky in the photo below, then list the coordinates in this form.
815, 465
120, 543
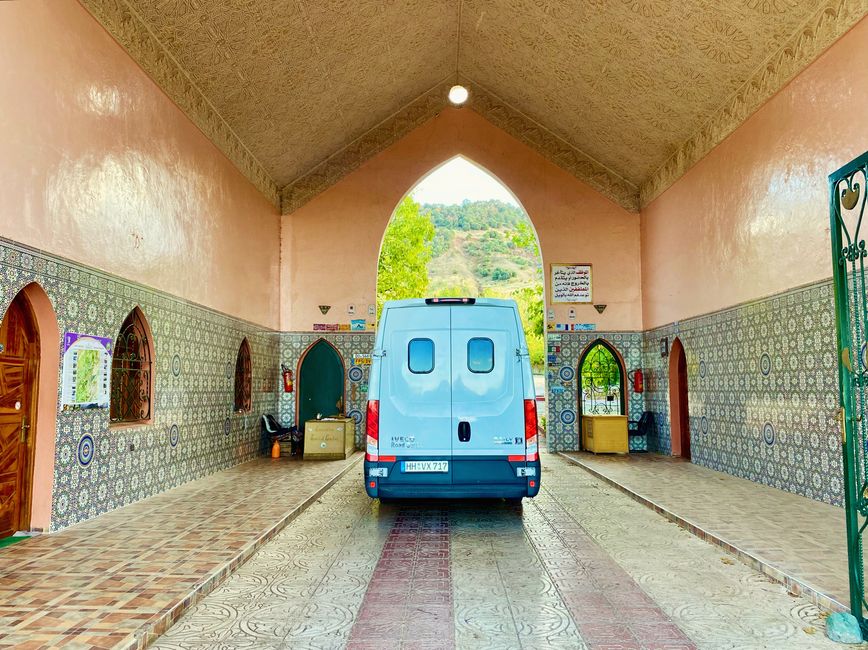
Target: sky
457, 180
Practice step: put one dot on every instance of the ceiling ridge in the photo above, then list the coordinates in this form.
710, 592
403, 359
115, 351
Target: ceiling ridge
132, 33
553, 147
829, 23
354, 154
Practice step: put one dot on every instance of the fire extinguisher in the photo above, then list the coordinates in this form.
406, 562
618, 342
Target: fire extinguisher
637, 380
287, 378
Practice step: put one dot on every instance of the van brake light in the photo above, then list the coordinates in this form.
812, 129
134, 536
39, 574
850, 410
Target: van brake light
530, 430
372, 430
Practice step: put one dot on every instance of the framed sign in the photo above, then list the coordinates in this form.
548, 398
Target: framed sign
87, 363
571, 283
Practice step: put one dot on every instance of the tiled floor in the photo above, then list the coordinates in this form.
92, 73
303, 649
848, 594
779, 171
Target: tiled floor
794, 540
581, 566
117, 579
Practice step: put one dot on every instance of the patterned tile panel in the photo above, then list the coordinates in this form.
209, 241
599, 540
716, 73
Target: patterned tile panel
195, 349
762, 391
562, 382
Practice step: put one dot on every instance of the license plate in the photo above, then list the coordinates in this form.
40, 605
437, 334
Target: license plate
425, 466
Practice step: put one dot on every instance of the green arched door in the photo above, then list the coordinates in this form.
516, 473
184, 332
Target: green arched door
320, 383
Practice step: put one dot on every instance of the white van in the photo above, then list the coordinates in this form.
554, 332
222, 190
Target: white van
451, 404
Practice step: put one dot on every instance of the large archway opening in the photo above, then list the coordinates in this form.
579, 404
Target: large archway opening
461, 232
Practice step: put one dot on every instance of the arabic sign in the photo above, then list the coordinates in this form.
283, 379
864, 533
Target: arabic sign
571, 283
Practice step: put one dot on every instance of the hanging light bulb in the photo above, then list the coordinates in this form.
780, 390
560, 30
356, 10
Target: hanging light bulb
458, 94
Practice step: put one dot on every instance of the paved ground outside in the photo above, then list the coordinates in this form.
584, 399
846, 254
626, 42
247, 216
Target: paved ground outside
798, 541
115, 580
581, 566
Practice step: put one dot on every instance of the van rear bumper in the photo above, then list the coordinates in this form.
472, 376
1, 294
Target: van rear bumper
467, 478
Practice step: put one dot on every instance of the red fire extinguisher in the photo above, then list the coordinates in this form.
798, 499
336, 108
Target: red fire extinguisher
637, 380
287, 378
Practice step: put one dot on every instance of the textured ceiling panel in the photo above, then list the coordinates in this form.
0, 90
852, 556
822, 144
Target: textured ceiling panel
624, 94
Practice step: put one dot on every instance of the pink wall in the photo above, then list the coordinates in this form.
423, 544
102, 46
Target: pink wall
330, 246
751, 219
100, 167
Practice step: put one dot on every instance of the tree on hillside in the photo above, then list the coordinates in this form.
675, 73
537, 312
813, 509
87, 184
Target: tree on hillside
403, 267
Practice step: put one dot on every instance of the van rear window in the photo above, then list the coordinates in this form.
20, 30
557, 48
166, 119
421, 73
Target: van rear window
480, 355
420, 356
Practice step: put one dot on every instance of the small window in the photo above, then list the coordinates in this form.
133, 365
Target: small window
131, 378
420, 356
243, 379
480, 355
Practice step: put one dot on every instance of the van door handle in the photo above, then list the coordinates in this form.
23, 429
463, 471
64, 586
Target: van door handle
464, 432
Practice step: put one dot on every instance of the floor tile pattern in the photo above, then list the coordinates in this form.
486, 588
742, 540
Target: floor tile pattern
581, 566
795, 540
117, 579
409, 599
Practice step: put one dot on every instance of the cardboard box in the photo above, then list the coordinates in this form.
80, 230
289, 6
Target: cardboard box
329, 438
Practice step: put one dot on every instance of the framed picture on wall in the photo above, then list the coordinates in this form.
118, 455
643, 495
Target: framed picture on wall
571, 283
664, 347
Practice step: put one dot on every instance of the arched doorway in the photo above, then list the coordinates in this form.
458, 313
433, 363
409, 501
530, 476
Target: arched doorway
678, 407
320, 383
19, 391
601, 381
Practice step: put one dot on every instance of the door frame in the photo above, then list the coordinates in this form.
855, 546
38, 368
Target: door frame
298, 375
679, 405
622, 367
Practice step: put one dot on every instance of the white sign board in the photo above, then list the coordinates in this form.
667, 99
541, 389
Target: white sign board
571, 283
87, 362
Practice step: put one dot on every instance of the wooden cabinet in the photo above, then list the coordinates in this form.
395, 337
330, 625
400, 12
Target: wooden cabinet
329, 438
605, 434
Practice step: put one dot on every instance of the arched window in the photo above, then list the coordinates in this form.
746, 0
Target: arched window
243, 379
601, 381
132, 380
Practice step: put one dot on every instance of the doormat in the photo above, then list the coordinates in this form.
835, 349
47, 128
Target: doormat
8, 541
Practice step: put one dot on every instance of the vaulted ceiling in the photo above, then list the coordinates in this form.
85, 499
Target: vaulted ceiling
624, 94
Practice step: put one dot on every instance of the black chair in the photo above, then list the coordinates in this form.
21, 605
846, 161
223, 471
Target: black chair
641, 428
276, 431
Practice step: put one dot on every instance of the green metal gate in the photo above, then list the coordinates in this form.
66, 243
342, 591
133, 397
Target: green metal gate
847, 208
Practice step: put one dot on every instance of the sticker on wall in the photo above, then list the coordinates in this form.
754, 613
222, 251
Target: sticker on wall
765, 364
85, 450
568, 416
357, 416
769, 433
227, 426
176, 365
566, 373
557, 390
358, 325
87, 362
174, 435
355, 373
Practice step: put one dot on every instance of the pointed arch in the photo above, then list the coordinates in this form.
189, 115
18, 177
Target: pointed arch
327, 373
599, 376
243, 379
132, 381
34, 306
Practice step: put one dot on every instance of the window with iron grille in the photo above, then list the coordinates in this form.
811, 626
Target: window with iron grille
243, 379
132, 370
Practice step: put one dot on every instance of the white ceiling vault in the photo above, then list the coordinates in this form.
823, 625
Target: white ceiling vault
624, 94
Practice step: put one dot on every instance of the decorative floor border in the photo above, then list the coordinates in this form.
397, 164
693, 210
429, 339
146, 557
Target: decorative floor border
792, 584
155, 627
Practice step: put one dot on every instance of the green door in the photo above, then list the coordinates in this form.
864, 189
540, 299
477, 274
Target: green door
320, 383
847, 209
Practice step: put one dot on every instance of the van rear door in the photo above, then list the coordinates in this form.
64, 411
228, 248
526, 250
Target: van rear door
416, 395
487, 395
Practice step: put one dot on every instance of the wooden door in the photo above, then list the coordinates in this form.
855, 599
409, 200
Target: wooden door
683, 413
19, 366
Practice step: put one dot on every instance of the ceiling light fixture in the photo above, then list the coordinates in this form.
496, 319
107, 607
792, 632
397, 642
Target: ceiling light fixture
458, 94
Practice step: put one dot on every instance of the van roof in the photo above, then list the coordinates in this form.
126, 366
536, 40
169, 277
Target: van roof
420, 302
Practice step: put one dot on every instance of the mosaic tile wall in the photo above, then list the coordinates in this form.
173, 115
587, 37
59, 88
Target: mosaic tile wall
194, 432
563, 382
293, 346
762, 391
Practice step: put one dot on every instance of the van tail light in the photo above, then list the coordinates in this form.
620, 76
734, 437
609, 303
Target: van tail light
372, 429
530, 430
